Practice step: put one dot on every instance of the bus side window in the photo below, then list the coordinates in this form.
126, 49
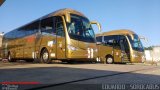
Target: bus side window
108, 41
112, 40
59, 27
99, 39
10, 36
20, 33
117, 41
47, 26
32, 28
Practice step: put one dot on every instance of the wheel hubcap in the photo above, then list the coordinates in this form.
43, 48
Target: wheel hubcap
9, 57
109, 60
45, 56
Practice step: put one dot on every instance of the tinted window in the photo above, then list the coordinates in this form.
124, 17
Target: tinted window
136, 43
32, 28
99, 39
27, 30
9, 35
20, 33
59, 26
80, 29
47, 26
112, 40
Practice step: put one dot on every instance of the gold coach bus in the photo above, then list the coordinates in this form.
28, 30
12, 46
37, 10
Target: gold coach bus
119, 46
65, 34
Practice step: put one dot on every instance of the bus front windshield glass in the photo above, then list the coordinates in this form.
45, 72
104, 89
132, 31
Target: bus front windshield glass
136, 43
80, 29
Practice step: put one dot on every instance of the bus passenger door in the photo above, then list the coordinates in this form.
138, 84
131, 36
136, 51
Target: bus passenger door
125, 49
60, 36
117, 51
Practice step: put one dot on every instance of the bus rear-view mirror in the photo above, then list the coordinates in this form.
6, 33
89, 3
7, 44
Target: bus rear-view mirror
98, 24
143, 38
132, 37
68, 17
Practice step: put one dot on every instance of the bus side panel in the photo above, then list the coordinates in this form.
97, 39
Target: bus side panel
29, 47
18, 48
9, 46
4, 48
13, 46
38, 40
117, 54
138, 57
103, 51
49, 42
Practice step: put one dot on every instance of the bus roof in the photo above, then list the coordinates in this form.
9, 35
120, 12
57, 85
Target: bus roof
116, 32
57, 13
62, 12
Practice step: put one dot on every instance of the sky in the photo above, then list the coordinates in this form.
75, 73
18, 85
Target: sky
140, 16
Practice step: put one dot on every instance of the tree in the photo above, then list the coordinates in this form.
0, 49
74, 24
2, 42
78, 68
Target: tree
148, 48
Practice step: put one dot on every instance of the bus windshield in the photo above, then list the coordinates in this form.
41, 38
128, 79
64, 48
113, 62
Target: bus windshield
80, 29
136, 43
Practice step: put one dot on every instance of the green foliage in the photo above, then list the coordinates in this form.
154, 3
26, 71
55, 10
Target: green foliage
148, 48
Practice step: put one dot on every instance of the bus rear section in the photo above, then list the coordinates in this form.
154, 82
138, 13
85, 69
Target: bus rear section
65, 34
118, 47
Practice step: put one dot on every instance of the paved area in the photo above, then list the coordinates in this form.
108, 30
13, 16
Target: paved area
82, 76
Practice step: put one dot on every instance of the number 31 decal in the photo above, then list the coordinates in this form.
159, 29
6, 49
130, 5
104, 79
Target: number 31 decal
90, 52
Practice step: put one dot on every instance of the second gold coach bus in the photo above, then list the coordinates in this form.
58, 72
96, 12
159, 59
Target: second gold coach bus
120, 46
65, 34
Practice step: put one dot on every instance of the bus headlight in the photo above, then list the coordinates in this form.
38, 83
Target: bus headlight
70, 47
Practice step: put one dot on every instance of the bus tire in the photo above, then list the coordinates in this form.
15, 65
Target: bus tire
45, 58
109, 60
10, 59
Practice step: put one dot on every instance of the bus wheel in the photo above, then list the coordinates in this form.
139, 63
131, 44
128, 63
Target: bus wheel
10, 58
109, 60
45, 56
